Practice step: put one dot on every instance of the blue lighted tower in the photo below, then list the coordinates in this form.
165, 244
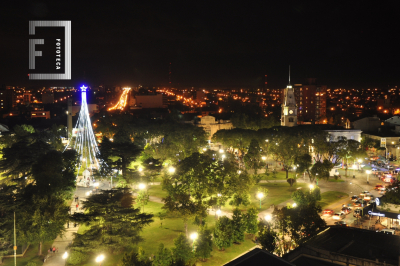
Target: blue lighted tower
83, 139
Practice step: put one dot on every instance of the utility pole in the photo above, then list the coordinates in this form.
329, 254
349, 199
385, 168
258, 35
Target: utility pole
15, 244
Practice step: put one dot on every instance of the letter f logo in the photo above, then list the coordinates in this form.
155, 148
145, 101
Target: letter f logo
32, 52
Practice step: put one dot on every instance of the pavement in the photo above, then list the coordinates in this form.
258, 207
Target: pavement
62, 242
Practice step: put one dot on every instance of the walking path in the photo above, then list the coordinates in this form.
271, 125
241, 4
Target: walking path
62, 243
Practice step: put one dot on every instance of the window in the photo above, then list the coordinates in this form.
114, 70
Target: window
311, 101
291, 119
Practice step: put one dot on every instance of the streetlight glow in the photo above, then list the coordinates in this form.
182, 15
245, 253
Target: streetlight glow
260, 195
311, 187
263, 158
140, 169
294, 205
221, 151
100, 258
142, 186
218, 212
268, 217
171, 170
193, 236
65, 255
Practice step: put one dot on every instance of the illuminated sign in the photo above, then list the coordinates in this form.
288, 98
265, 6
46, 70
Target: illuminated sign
376, 213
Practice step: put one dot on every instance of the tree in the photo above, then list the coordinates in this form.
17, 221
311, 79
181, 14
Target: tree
200, 182
113, 222
238, 226
182, 249
118, 154
42, 219
54, 173
253, 157
163, 256
267, 238
285, 147
133, 259
204, 243
223, 233
250, 219
142, 198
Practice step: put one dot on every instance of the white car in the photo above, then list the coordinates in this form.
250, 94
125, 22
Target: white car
338, 216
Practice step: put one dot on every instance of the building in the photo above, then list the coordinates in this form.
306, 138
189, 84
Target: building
388, 140
289, 107
336, 134
27, 98
40, 114
311, 102
339, 245
259, 256
367, 124
210, 125
7, 99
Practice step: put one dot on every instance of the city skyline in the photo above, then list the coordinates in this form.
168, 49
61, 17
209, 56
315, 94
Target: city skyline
218, 45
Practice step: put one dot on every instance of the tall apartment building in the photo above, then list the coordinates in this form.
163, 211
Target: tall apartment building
311, 101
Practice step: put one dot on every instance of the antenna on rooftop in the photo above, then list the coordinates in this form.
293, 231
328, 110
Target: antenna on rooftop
289, 74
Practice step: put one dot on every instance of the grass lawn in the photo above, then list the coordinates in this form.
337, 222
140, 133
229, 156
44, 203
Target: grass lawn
329, 197
277, 193
156, 190
154, 235
30, 255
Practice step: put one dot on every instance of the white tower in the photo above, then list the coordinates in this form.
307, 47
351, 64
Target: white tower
289, 108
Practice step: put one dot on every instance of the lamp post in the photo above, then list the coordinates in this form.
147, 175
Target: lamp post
311, 186
368, 172
65, 256
260, 195
99, 259
193, 236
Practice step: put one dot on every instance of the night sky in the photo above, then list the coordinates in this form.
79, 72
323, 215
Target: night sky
227, 44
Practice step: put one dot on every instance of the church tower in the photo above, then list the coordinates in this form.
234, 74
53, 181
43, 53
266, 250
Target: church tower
289, 108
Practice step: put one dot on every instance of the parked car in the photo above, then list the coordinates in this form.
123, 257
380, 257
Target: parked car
378, 187
341, 223
338, 216
327, 212
354, 198
346, 210
369, 197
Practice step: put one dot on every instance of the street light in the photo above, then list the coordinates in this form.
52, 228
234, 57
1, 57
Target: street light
260, 195
268, 217
100, 259
193, 236
294, 205
311, 186
171, 170
218, 213
221, 151
142, 186
223, 156
140, 169
368, 172
65, 256
263, 158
